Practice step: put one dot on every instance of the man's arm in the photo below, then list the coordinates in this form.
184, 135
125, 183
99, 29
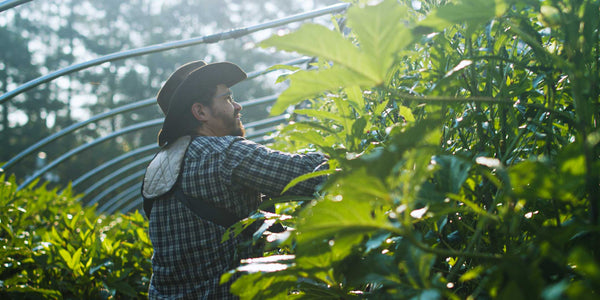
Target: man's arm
268, 171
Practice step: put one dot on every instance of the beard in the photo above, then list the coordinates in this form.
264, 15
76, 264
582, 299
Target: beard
239, 131
238, 128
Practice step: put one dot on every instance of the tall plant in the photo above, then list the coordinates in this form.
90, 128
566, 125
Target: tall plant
464, 155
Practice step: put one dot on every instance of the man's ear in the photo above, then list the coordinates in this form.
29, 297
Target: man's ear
200, 111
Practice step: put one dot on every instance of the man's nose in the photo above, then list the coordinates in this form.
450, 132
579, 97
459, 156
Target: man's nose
237, 106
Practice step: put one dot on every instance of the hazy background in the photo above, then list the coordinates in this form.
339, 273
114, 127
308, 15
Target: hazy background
40, 37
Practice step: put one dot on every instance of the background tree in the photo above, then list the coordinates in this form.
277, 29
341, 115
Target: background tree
59, 34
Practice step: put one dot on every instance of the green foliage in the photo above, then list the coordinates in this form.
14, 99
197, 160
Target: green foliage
367, 65
464, 152
52, 248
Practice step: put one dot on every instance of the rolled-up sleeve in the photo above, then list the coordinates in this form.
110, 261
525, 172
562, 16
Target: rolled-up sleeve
257, 167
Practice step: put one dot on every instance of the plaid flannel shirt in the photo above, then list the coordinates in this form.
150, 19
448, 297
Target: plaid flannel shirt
231, 173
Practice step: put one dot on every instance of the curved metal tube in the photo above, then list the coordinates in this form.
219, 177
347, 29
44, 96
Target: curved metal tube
263, 122
113, 204
113, 112
113, 161
258, 101
88, 145
235, 33
73, 127
116, 173
8, 4
113, 187
260, 133
132, 204
124, 197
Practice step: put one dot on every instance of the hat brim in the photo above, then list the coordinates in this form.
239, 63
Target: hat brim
201, 79
213, 74
170, 86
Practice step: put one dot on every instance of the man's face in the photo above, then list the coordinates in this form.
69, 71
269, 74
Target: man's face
224, 114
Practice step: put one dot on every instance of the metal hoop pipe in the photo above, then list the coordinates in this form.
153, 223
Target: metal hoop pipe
8, 4
73, 127
53, 164
112, 162
114, 187
124, 197
235, 33
116, 173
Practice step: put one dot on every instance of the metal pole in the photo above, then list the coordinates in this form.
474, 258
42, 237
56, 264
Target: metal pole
277, 119
125, 198
112, 162
53, 164
116, 173
112, 205
235, 33
258, 135
132, 204
8, 4
114, 187
73, 127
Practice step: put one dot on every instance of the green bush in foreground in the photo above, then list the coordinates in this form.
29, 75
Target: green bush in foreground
52, 248
464, 139
465, 164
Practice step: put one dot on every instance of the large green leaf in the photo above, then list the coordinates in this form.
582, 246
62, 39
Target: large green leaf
306, 84
355, 98
343, 216
533, 179
264, 285
380, 161
473, 12
306, 177
381, 32
452, 173
360, 184
317, 40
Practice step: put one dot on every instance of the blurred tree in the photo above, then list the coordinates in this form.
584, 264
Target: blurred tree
27, 124
55, 35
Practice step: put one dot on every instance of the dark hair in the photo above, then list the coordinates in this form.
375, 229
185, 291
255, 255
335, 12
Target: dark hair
187, 124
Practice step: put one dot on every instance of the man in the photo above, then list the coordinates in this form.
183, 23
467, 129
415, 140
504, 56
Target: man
206, 172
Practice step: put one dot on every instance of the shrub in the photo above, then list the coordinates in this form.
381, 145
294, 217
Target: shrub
52, 248
464, 155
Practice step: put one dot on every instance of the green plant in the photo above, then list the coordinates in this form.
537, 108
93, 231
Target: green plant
53, 248
463, 140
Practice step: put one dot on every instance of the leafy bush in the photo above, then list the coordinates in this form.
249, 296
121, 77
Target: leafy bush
463, 138
464, 155
52, 248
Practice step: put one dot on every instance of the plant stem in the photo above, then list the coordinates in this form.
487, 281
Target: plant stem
450, 253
